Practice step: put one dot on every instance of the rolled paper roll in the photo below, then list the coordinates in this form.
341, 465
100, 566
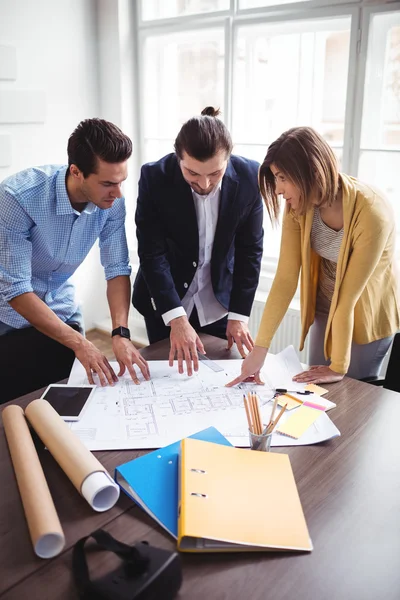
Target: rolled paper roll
43, 522
83, 469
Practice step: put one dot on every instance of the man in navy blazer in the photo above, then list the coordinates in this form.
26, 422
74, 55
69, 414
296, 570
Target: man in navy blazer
199, 228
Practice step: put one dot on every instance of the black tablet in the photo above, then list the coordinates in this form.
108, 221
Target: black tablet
69, 400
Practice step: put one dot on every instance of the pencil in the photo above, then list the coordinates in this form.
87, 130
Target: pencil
273, 410
258, 414
274, 424
246, 406
294, 398
252, 412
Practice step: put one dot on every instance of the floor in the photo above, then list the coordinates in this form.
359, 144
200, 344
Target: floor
102, 341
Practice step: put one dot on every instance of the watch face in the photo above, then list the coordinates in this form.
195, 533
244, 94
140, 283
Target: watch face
123, 332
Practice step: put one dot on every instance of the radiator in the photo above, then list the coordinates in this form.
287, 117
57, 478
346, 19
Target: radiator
288, 333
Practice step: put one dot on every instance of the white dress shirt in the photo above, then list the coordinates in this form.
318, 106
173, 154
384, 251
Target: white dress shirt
200, 294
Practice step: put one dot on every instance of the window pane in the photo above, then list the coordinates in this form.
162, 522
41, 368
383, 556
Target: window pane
290, 74
251, 151
183, 73
165, 9
381, 114
382, 170
155, 149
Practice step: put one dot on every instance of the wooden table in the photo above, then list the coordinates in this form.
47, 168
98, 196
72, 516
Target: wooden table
349, 488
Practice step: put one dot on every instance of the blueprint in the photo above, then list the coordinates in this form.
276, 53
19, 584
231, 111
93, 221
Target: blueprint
171, 406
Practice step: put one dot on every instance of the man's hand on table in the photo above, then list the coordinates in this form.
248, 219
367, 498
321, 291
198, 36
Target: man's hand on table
185, 343
94, 361
127, 355
238, 332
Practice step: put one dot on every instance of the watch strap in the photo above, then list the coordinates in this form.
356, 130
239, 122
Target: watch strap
121, 331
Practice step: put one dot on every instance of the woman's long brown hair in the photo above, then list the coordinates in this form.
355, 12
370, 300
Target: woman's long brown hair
307, 160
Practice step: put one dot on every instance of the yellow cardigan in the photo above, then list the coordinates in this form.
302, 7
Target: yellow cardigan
364, 305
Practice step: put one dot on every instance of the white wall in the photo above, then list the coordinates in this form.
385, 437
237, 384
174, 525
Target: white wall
117, 69
118, 64
56, 45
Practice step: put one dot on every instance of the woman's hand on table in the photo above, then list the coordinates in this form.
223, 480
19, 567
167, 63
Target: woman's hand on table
251, 367
318, 374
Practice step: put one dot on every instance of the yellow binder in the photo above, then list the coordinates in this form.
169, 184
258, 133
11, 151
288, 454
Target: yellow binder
238, 500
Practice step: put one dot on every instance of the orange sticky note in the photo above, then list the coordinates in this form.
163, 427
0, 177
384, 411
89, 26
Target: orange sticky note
299, 422
316, 389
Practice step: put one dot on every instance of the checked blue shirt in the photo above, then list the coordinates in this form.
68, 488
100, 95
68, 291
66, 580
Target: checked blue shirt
43, 240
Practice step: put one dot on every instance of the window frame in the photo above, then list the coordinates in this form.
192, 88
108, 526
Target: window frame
368, 12
360, 13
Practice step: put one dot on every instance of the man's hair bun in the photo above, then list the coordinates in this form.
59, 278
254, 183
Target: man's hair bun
210, 111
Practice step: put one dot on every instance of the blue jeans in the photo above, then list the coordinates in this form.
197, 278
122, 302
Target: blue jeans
77, 317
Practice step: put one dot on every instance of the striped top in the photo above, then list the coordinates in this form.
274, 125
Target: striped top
325, 242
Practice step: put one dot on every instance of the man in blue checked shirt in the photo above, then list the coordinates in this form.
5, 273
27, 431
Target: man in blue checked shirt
50, 217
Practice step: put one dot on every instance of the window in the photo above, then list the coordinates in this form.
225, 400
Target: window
294, 73
183, 73
271, 65
166, 9
379, 159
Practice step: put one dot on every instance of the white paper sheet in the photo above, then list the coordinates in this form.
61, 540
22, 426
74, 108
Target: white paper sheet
172, 406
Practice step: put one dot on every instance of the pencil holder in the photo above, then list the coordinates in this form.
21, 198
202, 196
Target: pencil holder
262, 442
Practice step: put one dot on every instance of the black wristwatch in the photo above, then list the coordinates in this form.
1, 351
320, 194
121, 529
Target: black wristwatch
122, 331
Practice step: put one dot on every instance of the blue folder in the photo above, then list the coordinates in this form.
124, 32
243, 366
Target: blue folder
152, 480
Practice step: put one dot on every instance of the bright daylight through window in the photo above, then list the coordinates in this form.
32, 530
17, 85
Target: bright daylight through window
270, 66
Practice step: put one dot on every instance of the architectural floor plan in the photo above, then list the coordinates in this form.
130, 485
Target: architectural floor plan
172, 406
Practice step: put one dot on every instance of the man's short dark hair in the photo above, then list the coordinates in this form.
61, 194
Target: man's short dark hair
204, 136
94, 139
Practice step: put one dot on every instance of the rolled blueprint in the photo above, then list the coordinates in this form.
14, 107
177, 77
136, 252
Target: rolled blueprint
84, 470
43, 522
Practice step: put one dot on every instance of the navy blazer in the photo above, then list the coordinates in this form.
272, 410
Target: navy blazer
168, 237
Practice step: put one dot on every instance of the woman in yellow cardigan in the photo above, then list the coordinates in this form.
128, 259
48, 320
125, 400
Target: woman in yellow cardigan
338, 234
